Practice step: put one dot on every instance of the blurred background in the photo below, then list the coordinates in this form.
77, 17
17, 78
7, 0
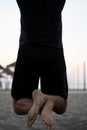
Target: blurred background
74, 17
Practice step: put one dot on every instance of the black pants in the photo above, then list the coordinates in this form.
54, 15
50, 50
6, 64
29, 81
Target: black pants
35, 62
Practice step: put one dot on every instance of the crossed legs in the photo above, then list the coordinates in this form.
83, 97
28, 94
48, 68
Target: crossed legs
41, 104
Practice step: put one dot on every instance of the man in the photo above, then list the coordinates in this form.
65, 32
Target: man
40, 55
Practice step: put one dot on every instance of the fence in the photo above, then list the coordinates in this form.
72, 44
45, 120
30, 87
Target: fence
77, 78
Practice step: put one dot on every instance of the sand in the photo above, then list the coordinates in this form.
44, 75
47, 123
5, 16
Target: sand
75, 118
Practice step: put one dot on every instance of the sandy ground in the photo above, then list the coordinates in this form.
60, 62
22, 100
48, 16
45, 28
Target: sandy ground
75, 117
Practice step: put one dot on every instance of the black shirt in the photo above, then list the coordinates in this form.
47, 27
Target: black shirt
41, 23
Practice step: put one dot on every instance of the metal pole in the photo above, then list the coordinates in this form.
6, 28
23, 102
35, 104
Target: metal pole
84, 76
77, 77
73, 78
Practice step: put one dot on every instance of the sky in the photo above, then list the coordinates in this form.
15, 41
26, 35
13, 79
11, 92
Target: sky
74, 18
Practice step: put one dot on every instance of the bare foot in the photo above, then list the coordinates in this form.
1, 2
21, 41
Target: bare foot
46, 115
38, 102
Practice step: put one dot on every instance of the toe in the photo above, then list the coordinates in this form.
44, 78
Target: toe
30, 122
